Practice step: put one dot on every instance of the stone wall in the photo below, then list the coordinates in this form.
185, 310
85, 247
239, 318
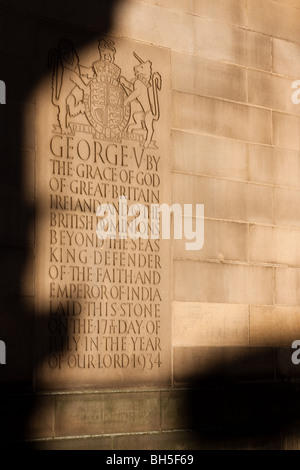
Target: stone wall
233, 142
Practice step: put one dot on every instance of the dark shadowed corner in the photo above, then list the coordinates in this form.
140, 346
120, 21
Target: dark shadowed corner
20, 24
242, 398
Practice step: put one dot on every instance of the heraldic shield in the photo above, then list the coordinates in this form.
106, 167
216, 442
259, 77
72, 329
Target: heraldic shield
104, 106
113, 107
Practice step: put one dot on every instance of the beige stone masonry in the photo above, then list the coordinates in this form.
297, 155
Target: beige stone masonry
206, 37
272, 165
274, 326
285, 58
225, 199
208, 77
274, 245
209, 155
274, 19
287, 292
270, 91
200, 324
286, 207
286, 130
222, 283
221, 118
227, 11
223, 241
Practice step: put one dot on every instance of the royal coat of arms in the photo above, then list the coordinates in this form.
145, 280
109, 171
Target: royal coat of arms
113, 107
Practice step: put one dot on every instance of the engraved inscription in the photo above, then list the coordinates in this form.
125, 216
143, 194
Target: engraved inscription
106, 301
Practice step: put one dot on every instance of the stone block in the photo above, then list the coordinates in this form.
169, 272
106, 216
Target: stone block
81, 415
221, 118
208, 155
222, 283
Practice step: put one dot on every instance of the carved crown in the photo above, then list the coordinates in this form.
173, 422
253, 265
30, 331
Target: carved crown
104, 67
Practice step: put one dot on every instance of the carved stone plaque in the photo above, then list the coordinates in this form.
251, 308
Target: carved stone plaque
103, 308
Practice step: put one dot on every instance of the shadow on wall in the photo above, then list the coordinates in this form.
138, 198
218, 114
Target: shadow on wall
20, 23
242, 398
230, 407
